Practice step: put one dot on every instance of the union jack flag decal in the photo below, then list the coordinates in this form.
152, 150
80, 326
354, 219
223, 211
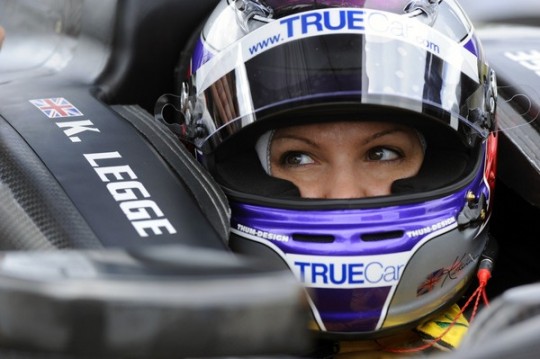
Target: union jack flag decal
431, 281
56, 107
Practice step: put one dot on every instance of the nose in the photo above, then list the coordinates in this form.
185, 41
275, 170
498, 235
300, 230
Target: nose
345, 184
342, 184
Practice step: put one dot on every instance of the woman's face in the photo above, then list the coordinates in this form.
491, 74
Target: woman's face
345, 159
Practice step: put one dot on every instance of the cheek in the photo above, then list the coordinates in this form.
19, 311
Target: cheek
383, 174
309, 180
415, 162
410, 164
298, 177
409, 170
295, 175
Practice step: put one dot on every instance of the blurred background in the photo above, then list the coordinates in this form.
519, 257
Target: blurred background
524, 12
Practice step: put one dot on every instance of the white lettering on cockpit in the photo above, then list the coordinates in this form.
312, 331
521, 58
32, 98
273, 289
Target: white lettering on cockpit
528, 59
132, 197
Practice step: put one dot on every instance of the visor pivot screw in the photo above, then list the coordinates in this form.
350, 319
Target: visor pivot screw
474, 212
240, 5
424, 10
471, 198
250, 14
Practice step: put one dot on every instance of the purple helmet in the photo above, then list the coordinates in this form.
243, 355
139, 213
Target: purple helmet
370, 265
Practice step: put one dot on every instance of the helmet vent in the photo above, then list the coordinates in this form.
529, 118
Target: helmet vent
381, 236
313, 238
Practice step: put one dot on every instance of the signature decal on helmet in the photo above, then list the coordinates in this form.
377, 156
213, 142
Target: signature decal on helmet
438, 278
332, 21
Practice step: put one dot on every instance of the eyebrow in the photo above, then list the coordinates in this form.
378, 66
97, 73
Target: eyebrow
371, 138
384, 133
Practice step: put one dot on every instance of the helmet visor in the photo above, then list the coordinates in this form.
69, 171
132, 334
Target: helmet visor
331, 56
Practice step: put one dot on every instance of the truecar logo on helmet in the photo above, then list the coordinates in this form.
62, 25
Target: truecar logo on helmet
349, 272
319, 21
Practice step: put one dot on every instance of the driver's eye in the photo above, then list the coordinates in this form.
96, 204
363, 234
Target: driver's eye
383, 154
296, 159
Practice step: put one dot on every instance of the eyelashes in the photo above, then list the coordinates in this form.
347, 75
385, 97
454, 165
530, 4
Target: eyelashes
381, 153
295, 159
375, 154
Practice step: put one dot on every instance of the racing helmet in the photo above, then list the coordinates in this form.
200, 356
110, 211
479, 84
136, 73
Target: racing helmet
371, 266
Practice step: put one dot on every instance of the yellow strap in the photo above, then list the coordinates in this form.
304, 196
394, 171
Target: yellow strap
437, 326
